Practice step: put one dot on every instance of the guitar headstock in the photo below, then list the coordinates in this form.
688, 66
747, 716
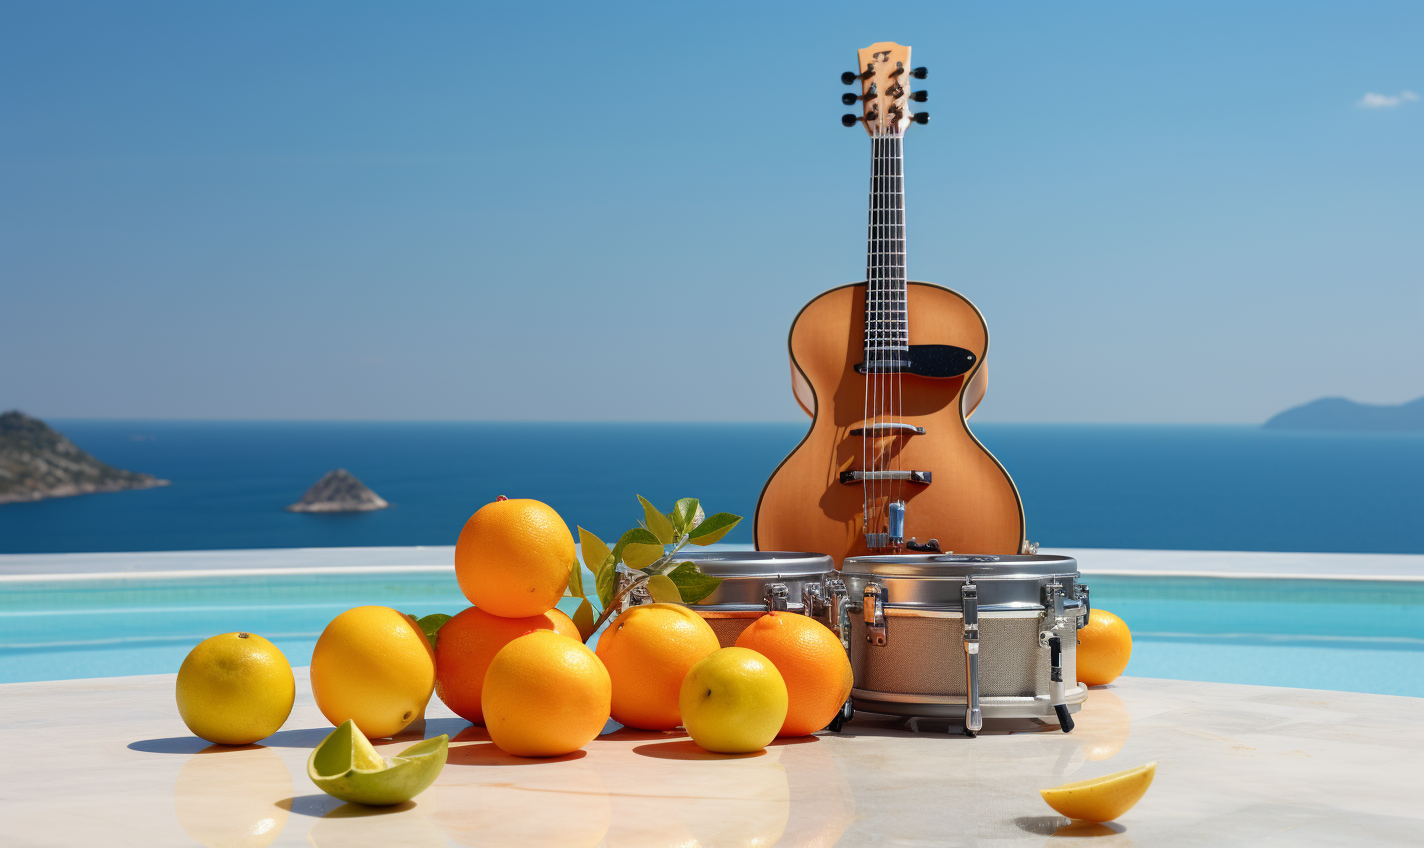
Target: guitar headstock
885, 94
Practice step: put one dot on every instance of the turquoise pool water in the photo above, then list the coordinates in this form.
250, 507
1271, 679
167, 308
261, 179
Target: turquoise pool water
1361, 636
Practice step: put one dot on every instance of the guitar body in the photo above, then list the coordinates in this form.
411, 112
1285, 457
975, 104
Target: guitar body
971, 506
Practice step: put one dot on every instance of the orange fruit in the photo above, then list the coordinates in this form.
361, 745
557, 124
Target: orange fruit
545, 695
469, 641
811, 660
1104, 647
372, 665
513, 558
648, 651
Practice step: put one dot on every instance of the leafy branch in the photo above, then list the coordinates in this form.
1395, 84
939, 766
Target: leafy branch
651, 548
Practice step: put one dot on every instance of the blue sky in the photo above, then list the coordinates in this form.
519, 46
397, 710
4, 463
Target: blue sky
1178, 212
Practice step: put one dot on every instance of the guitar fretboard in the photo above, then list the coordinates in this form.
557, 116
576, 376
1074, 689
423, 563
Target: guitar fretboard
886, 321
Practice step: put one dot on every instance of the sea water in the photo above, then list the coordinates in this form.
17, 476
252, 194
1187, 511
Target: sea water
1110, 486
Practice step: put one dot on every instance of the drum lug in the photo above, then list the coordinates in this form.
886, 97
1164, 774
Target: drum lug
874, 612
776, 596
838, 610
1053, 617
973, 718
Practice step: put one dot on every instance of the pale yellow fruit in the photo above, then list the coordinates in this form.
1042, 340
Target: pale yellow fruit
1102, 798
733, 701
374, 667
235, 688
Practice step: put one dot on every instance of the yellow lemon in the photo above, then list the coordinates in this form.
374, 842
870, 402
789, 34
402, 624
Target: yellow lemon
545, 695
1102, 798
374, 667
733, 701
235, 688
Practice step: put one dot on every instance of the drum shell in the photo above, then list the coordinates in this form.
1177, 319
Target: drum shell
751, 584
919, 669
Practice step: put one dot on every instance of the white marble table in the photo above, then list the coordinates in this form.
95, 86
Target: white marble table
108, 762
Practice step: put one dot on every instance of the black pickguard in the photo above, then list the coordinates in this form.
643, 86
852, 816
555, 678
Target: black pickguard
939, 361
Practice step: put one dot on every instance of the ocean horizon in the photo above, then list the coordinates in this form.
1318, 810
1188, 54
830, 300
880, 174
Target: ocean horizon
1192, 487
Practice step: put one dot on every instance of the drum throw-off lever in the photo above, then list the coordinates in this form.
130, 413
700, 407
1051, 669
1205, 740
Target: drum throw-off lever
1055, 683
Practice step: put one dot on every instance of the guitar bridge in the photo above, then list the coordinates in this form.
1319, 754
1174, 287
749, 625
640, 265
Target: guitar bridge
896, 429
918, 477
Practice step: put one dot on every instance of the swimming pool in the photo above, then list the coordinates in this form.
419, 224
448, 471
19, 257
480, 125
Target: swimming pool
1353, 635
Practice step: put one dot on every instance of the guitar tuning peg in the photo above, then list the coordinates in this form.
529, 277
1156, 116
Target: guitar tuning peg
920, 96
851, 76
848, 77
922, 117
849, 120
920, 73
849, 99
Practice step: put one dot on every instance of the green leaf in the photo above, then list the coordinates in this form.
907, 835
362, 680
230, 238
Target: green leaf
583, 619
692, 584
638, 548
595, 552
656, 522
686, 514
636, 534
714, 527
663, 589
430, 625
607, 579
639, 555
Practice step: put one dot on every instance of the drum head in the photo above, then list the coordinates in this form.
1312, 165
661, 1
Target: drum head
775, 564
959, 565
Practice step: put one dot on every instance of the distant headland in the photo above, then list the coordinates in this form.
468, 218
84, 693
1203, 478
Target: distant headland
1339, 413
36, 462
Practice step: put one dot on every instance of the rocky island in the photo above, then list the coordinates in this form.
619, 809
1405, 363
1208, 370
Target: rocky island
1343, 414
339, 491
37, 462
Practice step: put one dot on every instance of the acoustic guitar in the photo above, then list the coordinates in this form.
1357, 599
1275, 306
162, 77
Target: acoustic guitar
889, 371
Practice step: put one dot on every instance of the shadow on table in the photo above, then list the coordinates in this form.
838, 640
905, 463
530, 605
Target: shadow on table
307, 737
489, 754
324, 806
1066, 827
686, 749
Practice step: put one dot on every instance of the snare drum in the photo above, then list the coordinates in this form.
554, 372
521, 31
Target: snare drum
965, 636
757, 582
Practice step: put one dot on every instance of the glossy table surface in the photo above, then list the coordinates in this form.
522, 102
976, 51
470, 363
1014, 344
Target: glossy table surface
108, 762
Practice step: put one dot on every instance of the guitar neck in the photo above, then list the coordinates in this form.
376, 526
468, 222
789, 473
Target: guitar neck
887, 329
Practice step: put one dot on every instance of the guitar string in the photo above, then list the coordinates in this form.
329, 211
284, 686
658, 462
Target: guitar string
865, 407
873, 285
879, 326
902, 305
876, 444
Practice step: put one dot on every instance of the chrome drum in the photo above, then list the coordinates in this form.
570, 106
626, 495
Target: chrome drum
965, 636
755, 583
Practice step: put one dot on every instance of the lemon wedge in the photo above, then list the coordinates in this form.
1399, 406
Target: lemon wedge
345, 766
1102, 798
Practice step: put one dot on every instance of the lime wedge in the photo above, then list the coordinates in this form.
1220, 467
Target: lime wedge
345, 766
